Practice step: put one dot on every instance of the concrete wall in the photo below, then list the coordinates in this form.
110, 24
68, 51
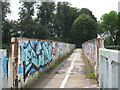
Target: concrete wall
29, 56
109, 68
91, 51
3, 69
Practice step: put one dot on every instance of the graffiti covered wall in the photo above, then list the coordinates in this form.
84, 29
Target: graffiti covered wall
3, 69
32, 56
91, 51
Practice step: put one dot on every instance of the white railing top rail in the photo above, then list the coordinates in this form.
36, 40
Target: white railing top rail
109, 68
113, 55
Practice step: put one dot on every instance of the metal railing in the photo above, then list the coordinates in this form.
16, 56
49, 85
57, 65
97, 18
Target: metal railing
109, 68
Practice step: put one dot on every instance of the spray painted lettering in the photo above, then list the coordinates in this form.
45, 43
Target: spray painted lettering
36, 55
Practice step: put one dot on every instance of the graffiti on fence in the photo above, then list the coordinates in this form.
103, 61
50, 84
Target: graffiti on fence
90, 49
54, 51
4, 65
20, 69
37, 55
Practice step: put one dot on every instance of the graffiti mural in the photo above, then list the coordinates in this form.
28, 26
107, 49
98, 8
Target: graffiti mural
54, 51
37, 55
91, 49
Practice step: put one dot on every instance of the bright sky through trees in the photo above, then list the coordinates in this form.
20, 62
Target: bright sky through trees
98, 7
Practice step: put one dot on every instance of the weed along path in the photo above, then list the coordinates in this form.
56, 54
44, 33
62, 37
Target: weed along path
71, 73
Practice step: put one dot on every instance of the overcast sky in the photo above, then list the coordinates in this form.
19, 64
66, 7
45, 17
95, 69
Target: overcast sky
98, 7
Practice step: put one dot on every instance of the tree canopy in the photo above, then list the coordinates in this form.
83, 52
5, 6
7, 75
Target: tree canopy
6, 34
84, 28
88, 12
109, 24
60, 21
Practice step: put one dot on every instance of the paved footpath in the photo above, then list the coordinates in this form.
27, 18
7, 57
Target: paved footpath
70, 75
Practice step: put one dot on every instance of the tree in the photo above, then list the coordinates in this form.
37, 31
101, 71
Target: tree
5, 10
26, 23
118, 32
84, 28
87, 12
45, 17
39, 31
64, 17
5, 23
109, 24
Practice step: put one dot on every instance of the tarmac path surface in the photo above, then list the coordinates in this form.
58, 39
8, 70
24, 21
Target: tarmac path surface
71, 74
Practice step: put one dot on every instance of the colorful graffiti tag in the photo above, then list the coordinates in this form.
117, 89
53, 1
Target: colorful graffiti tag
91, 51
37, 55
33, 55
5, 65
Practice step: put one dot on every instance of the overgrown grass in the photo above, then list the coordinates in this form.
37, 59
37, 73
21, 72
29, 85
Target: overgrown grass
61, 60
89, 69
91, 75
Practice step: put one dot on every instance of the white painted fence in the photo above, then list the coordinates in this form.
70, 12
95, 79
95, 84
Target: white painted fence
109, 68
29, 56
91, 51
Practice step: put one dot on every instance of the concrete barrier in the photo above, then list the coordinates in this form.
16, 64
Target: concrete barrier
30, 56
3, 69
109, 68
91, 51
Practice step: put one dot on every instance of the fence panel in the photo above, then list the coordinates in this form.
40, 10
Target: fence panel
32, 56
109, 68
3, 69
91, 51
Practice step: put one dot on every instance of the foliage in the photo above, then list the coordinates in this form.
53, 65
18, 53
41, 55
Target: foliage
87, 12
26, 23
45, 17
45, 12
7, 47
61, 60
109, 25
66, 15
6, 33
5, 10
83, 29
118, 32
90, 72
92, 75
108, 41
60, 22
6, 23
